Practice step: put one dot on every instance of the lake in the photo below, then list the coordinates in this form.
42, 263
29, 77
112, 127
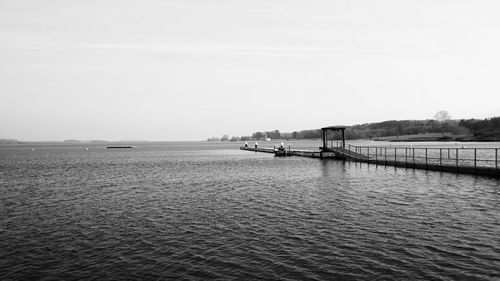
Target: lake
197, 211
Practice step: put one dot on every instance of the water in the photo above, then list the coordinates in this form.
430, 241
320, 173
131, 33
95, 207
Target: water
200, 211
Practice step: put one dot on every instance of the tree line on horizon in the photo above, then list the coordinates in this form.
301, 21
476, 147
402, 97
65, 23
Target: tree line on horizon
464, 129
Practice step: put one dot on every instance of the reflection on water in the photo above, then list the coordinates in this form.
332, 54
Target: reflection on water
208, 211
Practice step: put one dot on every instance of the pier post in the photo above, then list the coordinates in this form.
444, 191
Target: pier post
395, 158
413, 156
324, 139
343, 138
376, 155
426, 158
385, 158
406, 157
456, 157
368, 150
441, 158
496, 158
475, 159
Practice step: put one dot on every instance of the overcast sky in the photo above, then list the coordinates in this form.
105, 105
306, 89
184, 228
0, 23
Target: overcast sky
188, 70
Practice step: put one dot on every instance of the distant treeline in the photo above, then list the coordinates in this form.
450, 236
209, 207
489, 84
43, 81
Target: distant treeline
8, 141
471, 129
487, 129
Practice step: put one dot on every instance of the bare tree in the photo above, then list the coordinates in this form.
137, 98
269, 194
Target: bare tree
442, 116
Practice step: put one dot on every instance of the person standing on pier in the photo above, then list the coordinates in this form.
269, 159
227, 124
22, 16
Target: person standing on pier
256, 144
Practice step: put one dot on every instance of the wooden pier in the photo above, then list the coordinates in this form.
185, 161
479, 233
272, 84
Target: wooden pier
476, 161
289, 152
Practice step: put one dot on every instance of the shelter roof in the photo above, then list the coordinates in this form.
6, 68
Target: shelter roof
334, 128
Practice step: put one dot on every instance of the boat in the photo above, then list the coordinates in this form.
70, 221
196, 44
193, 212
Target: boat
280, 151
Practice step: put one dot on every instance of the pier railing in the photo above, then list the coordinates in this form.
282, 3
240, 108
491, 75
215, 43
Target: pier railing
424, 156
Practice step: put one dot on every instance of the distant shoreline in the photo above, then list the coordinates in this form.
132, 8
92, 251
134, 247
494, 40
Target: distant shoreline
464, 130
442, 137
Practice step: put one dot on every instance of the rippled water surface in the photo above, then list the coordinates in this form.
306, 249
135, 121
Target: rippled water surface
204, 211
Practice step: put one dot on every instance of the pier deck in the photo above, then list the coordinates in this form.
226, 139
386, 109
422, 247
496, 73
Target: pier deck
289, 152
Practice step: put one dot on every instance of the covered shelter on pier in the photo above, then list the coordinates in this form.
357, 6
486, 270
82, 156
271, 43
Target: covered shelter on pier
324, 136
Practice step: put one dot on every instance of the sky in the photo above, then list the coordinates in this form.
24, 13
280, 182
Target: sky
189, 70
